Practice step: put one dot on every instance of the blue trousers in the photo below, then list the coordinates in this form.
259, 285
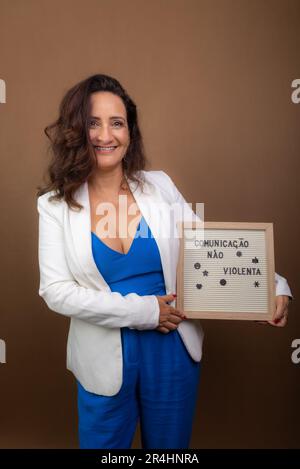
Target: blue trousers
159, 388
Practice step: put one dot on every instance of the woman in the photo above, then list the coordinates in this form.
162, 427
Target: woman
133, 353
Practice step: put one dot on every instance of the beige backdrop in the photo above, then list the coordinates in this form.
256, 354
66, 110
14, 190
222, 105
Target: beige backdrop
212, 81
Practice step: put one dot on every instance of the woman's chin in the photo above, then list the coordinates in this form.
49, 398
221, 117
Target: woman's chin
108, 165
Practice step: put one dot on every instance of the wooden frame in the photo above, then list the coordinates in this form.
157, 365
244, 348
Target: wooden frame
227, 292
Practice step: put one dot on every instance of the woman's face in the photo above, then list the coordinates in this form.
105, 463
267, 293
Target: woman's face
108, 128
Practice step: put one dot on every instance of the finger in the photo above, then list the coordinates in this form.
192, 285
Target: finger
177, 312
181, 313
162, 329
281, 305
170, 314
174, 312
169, 325
281, 323
281, 318
168, 298
175, 319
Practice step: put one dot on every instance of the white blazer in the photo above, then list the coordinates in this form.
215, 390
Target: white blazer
71, 284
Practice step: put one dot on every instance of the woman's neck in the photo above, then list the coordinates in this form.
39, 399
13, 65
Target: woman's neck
108, 183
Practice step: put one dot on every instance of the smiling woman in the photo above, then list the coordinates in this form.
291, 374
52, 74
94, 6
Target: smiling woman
95, 113
134, 354
108, 129
118, 293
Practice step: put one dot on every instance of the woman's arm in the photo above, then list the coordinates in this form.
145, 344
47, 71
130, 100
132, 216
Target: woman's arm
64, 295
282, 287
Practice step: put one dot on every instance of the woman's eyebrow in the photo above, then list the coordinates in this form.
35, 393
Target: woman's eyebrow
112, 117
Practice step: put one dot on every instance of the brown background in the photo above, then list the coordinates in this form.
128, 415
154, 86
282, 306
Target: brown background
212, 81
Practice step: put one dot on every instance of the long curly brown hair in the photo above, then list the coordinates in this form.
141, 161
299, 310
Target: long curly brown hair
73, 157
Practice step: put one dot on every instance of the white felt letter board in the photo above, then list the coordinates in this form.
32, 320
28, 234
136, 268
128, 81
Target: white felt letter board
226, 270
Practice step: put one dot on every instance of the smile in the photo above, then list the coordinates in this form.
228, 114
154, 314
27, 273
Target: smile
105, 149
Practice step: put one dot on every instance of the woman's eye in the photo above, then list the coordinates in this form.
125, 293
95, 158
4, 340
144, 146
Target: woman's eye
116, 123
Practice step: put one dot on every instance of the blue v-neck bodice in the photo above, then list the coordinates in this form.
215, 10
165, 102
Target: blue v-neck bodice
138, 271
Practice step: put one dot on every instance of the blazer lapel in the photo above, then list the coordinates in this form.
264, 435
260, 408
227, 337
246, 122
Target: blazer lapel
80, 228
155, 212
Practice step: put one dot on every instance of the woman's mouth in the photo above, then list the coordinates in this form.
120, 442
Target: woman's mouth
105, 149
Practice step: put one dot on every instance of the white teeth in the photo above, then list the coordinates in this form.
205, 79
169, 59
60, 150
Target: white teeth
105, 148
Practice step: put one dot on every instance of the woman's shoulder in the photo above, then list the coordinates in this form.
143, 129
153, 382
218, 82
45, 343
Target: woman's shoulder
48, 198
48, 204
162, 181
158, 177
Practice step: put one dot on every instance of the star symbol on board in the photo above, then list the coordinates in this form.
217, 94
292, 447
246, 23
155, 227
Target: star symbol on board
205, 273
256, 284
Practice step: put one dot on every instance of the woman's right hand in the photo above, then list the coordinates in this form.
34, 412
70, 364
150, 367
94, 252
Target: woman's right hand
169, 317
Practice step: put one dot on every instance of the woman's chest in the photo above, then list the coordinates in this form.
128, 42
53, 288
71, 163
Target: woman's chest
115, 222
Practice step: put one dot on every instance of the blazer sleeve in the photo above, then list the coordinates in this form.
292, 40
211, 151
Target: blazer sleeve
281, 284
64, 295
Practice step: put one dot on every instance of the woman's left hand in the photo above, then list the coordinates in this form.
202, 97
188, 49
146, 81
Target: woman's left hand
280, 316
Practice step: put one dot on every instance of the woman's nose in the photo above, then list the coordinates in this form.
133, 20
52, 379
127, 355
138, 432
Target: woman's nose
104, 133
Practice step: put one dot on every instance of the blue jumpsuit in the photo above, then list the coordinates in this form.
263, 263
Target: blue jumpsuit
160, 379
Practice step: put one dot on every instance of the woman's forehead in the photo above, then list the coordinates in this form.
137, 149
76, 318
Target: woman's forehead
106, 102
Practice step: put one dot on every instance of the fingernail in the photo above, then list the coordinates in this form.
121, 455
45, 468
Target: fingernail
174, 294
